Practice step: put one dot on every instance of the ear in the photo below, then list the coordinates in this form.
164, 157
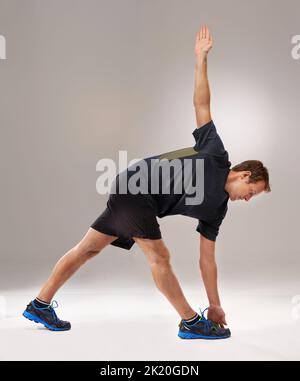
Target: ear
248, 174
245, 174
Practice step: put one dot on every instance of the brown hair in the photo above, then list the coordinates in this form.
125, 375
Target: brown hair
258, 172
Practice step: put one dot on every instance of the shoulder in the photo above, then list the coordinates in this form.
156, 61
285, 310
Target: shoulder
204, 131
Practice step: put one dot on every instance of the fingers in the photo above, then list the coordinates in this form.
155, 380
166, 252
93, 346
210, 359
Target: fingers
204, 33
209, 36
222, 323
201, 33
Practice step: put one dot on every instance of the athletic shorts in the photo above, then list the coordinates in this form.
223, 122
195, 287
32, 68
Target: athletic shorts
127, 216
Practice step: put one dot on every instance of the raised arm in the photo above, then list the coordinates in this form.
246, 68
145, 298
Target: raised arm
201, 92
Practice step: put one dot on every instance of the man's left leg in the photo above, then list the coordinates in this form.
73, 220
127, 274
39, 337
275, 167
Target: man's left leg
159, 261
192, 326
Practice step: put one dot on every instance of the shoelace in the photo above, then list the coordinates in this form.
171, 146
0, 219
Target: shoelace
212, 324
208, 324
51, 307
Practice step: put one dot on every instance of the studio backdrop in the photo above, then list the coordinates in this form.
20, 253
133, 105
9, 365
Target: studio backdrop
81, 81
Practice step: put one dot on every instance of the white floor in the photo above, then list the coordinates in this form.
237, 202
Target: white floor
139, 324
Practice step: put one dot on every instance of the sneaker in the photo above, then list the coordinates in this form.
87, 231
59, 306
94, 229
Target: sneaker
203, 329
46, 316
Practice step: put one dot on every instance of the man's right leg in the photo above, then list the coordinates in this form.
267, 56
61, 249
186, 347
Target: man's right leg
90, 245
40, 310
158, 257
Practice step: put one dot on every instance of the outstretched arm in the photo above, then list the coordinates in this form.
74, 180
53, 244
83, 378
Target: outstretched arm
208, 269
201, 92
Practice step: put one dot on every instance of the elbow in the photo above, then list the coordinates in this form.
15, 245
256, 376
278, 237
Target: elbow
205, 263
201, 104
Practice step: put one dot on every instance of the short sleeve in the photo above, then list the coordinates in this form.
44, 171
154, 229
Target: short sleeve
210, 229
208, 140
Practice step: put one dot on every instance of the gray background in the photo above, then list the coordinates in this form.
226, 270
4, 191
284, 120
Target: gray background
85, 79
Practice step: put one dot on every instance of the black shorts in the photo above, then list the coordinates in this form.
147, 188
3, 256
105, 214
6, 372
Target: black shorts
127, 216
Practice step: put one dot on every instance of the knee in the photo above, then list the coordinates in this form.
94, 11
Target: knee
156, 252
85, 252
159, 258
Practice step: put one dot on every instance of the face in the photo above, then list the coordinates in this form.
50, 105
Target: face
242, 189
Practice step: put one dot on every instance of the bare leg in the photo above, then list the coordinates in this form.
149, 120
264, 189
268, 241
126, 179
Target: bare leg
90, 245
159, 260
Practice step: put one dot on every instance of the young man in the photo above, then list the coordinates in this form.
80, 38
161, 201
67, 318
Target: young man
131, 216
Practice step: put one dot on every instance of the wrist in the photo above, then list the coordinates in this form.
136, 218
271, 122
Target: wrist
214, 304
200, 57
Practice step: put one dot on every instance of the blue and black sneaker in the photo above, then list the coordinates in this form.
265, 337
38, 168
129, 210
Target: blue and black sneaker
203, 329
46, 316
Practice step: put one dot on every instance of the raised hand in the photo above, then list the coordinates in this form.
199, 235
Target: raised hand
204, 41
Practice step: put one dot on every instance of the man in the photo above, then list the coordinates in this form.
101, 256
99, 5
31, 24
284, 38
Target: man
130, 217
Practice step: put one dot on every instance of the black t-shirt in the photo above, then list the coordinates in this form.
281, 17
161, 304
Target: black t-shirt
192, 187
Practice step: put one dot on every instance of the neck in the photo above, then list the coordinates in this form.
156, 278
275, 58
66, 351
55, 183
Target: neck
230, 179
